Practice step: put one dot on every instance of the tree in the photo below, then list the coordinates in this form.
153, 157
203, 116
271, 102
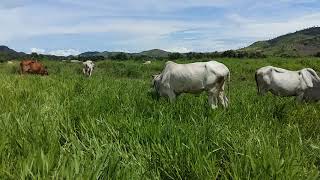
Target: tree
229, 53
120, 56
174, 56
34, 55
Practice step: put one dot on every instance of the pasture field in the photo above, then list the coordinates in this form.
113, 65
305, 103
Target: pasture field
67, 126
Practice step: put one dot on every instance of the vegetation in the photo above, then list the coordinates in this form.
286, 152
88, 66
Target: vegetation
7, 53
157, 54
67, 126
301, 43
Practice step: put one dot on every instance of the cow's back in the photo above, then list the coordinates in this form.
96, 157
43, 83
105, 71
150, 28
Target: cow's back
26, 62
88, 64
36, 67
217, 68
192, 77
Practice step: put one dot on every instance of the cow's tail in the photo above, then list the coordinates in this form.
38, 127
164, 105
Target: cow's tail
257, 83
229, 80
314, 74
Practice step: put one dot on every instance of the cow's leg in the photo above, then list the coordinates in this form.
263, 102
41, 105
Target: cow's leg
172, 96
300, 97
213, 98
84, 71
222, 98
90, 72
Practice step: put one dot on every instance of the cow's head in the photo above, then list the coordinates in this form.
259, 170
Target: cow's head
155, 85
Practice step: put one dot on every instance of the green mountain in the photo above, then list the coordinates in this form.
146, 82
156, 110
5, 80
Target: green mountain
301, 43
5, 49
155, 53
90, 53
8, 54
107, 54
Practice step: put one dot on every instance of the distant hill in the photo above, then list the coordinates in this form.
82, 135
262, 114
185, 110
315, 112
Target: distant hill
7, 53
5, 49
155, 53
90, 53
107, 54
301, 43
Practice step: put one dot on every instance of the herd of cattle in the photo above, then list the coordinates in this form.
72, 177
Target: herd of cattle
211, 77
35, 67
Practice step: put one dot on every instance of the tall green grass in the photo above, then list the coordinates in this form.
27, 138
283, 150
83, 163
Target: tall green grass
69, 126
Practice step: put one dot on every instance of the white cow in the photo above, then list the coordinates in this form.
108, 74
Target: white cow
88, 67
193, 78
282, 82
75, 61
147, 62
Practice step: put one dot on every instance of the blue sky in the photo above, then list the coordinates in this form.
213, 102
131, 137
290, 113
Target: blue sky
64, 27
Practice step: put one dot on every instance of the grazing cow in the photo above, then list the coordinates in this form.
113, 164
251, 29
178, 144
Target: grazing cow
88, 67
32, 67
147, 62
282, 82
75, 61
193, 78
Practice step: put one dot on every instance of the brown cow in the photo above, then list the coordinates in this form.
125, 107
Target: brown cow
32, 67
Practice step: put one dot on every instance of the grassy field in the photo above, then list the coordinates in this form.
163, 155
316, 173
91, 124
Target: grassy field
68, 126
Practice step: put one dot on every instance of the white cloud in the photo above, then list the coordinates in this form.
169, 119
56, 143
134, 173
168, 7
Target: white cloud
117, 7
64, 52
138, 29
59, 52
179, 49
38, 51
267, 30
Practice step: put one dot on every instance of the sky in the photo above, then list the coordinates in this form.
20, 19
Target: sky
69, 27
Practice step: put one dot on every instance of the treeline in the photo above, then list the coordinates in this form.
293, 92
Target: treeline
138, 57
190, 55
21, 56
5, 57
173, 56
225, 54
